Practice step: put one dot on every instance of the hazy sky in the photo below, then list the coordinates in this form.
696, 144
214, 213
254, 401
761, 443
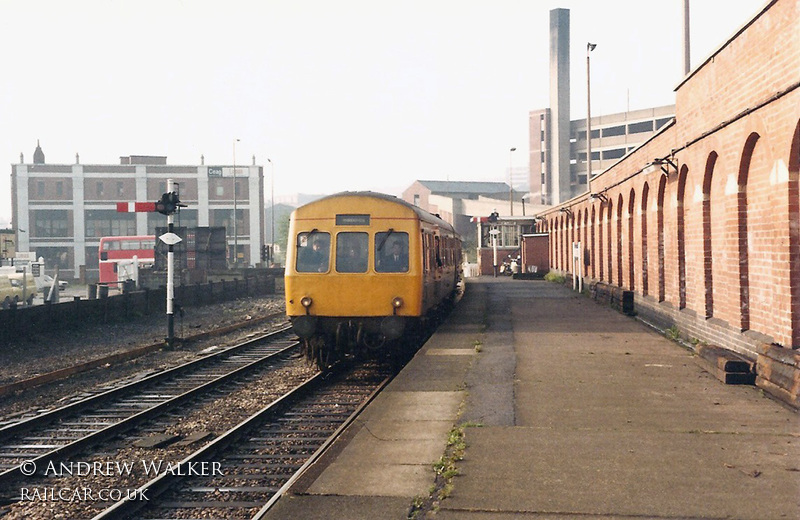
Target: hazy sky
341, 95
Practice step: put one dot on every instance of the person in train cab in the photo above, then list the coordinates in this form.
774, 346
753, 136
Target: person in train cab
313, 259
395, 261
353, 261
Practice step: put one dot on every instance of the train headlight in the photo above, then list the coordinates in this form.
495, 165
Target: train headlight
306, 301
397, 302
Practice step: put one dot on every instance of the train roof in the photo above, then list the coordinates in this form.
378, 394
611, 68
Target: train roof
421, 213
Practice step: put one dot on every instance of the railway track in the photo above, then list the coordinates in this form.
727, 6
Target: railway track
39, 440
242, 473
63, 373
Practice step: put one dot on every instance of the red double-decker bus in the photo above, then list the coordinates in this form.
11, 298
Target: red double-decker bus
116, 256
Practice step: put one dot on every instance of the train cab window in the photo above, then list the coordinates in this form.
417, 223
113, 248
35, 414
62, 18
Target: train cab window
352, 250
391, 252
313, 252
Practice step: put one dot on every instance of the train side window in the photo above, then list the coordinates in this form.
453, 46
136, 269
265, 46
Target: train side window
313, 252
391, 252
352, 250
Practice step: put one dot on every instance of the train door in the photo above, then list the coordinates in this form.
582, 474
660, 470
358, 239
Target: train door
438, 267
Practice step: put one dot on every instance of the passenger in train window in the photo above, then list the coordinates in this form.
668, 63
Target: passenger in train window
313, 259
396, 261
351, 252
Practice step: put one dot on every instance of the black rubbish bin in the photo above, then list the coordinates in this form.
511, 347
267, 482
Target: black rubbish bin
102, 292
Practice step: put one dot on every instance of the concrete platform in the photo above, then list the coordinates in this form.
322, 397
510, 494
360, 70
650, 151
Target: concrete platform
574, 411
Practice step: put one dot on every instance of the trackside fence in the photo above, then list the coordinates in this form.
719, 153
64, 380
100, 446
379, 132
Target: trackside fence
25, 321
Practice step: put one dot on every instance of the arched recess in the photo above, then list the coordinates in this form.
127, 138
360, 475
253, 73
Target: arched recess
592, 232
794, 233
619, 240
662, 190
741, 226
600, 256
681, 238
631, 217
610, 240
708, 274
578, 228
645, 194
585, 256
560, 221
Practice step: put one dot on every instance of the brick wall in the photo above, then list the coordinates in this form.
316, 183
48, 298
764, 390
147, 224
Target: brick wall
714, 245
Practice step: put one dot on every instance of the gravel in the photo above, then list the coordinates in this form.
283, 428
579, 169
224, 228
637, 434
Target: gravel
49, 351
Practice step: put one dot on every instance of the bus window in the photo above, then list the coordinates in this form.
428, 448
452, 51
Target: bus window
351, 252
313, 252
391, 252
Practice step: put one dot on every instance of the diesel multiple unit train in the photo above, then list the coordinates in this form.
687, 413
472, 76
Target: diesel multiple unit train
365, 271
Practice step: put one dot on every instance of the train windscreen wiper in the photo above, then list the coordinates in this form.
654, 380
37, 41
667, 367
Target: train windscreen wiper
383, 242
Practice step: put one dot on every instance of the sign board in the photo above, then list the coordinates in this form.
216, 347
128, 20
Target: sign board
25, 256
576, 250
215, 171
494, 232
35, 269
170, 239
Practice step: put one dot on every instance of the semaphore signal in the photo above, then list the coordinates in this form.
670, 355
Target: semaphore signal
168, 205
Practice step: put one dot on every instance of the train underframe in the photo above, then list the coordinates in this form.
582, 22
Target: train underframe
328, 340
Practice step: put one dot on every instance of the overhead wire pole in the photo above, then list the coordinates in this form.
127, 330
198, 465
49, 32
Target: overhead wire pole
510, 183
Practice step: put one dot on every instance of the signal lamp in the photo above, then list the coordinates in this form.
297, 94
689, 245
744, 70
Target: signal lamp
306, 301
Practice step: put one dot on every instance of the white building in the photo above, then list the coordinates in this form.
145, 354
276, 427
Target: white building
61, 211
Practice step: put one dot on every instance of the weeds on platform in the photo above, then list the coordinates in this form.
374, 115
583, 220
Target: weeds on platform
554, 277
446, 470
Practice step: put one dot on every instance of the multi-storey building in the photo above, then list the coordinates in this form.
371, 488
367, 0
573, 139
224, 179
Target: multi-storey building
558, 145
613, 136
60, 211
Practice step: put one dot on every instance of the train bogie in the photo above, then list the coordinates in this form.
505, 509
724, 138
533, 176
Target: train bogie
364, 271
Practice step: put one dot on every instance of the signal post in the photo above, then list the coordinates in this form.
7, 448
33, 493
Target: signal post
168, 205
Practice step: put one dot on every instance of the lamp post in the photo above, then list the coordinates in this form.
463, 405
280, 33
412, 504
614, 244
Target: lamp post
235, 230
589, 48
272, 197
510, 183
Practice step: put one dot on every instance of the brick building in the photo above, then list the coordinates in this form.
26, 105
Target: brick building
702, 222
60, 211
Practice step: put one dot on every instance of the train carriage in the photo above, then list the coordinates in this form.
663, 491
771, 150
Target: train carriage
364, 270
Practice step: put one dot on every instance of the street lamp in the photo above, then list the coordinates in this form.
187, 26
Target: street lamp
510, 183
272, 197
589, 48
235, 231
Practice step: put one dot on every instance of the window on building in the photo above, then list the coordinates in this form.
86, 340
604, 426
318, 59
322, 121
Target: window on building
613, 154
99, 188
59, 188
508, 236
220, 191
109, 223
595, 134
50, 223
663, 121
40, 188
56, 256
614, 130
637, 128
416, 200
120, 189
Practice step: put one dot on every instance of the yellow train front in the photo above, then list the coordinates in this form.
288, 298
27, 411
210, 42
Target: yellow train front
364, 271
